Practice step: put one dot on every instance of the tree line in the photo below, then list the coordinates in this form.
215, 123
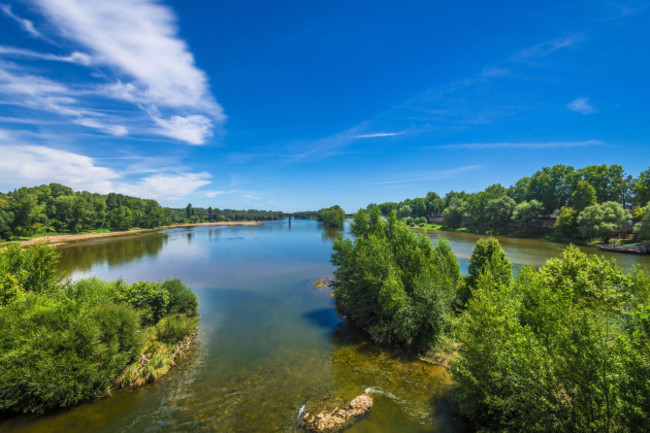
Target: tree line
191, 214
55, 208
561, 347
598, 201
62, 343
30, 211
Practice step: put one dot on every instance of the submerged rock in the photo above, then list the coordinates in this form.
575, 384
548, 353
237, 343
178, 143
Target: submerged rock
334, 416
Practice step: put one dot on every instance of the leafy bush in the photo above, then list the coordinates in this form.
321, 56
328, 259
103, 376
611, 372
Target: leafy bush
181, 299
393, 283
61, 344
563, 348
421, 221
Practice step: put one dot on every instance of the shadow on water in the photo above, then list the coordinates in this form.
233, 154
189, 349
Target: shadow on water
323, 317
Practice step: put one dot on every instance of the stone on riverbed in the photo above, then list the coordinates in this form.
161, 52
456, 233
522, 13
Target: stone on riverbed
335, 416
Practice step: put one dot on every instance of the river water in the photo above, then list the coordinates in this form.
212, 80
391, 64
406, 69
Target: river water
268, 340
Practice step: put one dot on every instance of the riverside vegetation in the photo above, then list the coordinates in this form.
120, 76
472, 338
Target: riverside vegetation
62, 343
591, 203
563, 347
55, 208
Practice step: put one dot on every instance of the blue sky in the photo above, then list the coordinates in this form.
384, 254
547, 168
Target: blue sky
305, 104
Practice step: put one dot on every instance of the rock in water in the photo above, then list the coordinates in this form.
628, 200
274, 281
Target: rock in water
333, 420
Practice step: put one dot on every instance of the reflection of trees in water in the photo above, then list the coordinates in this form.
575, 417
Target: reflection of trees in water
81, 257
331, 232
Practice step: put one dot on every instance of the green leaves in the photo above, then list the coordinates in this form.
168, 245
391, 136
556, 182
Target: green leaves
393, 283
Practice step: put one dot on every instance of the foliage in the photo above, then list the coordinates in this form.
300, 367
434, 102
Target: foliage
602, 220
392, 282
584, 195
564, 348
642, 228
553, 188
489, 258
499, 211
61, 344
333, 216
566, 223
454, 213
528, 215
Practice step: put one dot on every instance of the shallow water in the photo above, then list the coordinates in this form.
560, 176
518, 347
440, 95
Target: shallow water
268, 340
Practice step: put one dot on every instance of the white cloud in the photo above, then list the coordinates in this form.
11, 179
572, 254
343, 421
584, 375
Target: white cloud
75, 57
139, 39
522, 145
47, 95
27, 25
581, 105
24, 164
33, 165
166, 186
378, 134
193, 129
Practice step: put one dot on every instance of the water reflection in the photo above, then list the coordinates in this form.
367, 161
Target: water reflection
83, 256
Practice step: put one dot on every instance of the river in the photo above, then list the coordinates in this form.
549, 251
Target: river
268, 340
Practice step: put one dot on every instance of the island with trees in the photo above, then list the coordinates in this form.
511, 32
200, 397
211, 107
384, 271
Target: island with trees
63, 343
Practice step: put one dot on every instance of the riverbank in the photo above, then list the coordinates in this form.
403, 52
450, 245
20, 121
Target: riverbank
64, 239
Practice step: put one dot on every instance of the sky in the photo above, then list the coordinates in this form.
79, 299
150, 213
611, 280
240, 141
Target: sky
296, 105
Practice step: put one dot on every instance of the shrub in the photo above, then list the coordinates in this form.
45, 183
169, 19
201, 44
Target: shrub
181, 299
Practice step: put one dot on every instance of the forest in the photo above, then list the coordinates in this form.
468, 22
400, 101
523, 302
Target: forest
594, 202
561, 347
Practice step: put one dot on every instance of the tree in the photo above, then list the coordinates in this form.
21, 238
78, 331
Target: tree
434, 203
405, 211
642, 228
609, 182
454, 213
528, 215
604, 220
489, 258
566, 223
583, 195
333, 216
499, 211
27, 213
641, 188
393, 283
188, 211
551, 187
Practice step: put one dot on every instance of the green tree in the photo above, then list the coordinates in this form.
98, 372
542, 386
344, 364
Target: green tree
641, 188
528, 215
333, 216
489, 258
393, 283
434, 203
642, 228
405, 211
584, 195
604, 220
454, 213
566, 223
499, 211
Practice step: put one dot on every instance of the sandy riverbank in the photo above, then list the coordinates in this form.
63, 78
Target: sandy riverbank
58, 240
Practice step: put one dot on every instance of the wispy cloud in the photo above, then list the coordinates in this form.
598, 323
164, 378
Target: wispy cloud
75, 57
43, 94
420, 176
548, 47
249, 195
134, 47
581, 105
522, 145
25, 24
379, 134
